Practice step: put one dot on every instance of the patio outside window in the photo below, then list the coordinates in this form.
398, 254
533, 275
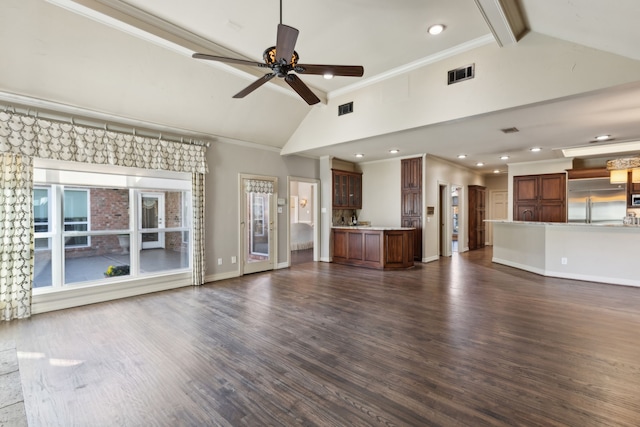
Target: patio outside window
92, 234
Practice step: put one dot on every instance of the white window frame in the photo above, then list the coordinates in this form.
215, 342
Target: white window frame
88, 222
58, 174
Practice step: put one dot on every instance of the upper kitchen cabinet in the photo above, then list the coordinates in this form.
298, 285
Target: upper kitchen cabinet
412, 174
347, 189
540, 198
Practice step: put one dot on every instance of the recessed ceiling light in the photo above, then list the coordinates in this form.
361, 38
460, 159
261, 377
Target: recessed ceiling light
462, 156
496, 171
359, 155
394, 151
435, 29
479, 164
504, 157
536, 149
328, 76
602, 137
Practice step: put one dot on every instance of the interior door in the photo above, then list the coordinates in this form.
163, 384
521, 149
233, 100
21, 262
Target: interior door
151, 216
258, 224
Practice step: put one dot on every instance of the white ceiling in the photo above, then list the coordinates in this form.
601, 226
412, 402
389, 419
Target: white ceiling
388, 38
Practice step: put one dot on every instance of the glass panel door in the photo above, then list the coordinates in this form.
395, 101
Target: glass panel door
258, 231
151, 208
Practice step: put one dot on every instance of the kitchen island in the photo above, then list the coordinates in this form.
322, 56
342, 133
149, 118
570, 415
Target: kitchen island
606, 253
383, 248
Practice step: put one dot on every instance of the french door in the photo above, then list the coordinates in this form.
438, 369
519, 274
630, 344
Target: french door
258, 230
151, 216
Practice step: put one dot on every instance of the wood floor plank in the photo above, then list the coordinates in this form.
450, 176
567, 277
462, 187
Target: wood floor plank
458, 342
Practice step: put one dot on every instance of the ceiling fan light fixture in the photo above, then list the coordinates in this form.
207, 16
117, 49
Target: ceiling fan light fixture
435, 29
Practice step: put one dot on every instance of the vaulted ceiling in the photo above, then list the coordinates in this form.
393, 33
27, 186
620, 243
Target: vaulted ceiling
559, 71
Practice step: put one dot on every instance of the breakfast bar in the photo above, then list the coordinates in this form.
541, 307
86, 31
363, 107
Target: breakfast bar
383, 248
606, 253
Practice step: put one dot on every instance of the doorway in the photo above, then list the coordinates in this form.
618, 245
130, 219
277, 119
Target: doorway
444, 220
151, 217
303, 220
499, 210
258, 231
456, 193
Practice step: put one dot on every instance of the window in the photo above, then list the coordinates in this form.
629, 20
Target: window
88, 233
41, 215
76, 216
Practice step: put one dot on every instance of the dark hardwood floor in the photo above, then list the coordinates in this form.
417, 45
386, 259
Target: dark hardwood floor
459, 342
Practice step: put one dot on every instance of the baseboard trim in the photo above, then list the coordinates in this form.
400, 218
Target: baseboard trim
222, 276
74, 297
431, 259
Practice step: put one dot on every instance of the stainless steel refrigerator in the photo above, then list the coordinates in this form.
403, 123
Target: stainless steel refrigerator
596, 201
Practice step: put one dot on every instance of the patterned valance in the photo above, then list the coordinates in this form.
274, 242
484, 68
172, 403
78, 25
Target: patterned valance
258, 186
47, 139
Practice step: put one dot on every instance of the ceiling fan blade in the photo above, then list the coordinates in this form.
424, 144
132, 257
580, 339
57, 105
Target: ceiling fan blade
286, 42
302, 89
229, 60
335, 70
255, 85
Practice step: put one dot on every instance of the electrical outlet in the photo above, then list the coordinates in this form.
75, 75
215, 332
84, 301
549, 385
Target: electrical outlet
563, 260
233, 260
219, 261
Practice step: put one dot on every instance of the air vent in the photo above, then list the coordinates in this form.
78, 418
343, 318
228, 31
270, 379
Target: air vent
461, 74
345, 109
510, 130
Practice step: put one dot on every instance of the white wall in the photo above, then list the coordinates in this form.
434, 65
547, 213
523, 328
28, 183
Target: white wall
226, 161
381, 183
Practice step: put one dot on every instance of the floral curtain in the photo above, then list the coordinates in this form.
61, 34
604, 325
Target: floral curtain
46, 139
23, 137
16, 235
258, 186
197, 195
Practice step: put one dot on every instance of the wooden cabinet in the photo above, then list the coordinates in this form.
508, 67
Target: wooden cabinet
411, 200
347, 189
373, 248
477, 215
632, 189
540, 198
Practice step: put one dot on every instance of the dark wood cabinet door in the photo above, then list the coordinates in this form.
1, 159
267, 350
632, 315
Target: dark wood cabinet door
525, 212
552, 212
415, 222
411, 203
540, 198
412, 173
347, 190
553, 188
525, 188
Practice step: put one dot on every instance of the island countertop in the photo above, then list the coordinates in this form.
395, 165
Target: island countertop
565, 224
369, 227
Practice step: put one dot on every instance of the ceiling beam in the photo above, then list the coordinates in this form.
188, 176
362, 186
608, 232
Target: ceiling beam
505, 19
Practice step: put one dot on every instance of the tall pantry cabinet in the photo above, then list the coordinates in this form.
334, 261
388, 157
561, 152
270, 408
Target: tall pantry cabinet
411, 203
477, 211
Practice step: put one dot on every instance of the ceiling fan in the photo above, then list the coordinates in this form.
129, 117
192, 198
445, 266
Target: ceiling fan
282, 59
